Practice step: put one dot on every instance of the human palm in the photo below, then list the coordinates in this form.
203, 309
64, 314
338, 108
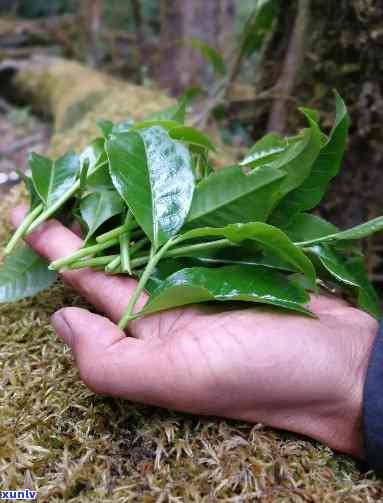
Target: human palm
257, 364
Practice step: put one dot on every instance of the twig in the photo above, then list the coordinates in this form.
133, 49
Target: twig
22, 143
294, 58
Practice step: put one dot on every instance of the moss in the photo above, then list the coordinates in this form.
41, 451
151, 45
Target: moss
75, 446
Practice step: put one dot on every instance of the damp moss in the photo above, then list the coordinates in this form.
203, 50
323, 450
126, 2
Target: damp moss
72, 445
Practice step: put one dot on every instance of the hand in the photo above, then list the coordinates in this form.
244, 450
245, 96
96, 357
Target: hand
256, 364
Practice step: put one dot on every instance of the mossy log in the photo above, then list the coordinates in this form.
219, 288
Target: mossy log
60, 438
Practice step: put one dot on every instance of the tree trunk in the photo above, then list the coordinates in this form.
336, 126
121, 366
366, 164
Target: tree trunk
182, 66
291, 66
92, 15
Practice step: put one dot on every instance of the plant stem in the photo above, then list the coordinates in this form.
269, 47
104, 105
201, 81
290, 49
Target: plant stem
125, 245
56, 206
83, 252
184, 250
115, 233
23, 229
92, 262
138, 246
143, 280
113, 264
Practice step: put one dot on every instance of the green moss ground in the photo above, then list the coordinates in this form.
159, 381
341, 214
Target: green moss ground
71, 445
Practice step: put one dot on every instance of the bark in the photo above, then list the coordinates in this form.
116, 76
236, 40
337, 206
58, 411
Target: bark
92, 15
290, 70
180, 65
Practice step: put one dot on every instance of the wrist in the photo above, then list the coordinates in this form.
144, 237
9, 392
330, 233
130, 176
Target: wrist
343, 430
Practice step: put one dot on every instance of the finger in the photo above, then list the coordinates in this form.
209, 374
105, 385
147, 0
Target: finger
109, 294
110, 363
324, 303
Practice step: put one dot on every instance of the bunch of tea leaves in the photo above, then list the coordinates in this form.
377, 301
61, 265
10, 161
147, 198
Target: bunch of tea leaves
151, 206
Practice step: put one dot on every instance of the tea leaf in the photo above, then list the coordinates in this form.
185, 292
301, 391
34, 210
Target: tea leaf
24, 274
98, 207
52, 179
230, 196
239, 283
268, 237
153, 174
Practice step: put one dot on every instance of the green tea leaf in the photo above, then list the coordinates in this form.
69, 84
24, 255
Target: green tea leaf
191, 135
359, 232
95, 153
23, 275
298, 159
231, 283
166, 124
105, 126
123, 127
307, 226
153, 174
267, 149
52, 179
231, 196
324, 169
350, 272
34, 198
268, 237
98, 207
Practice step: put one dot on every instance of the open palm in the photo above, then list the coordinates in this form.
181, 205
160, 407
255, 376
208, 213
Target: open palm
256, 364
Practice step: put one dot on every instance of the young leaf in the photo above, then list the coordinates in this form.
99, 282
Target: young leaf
123, 127
23, 275
350, 272
167, 124
231, 196
34, 198
191, 135
359, 232
105, 126
98, 207
95, 153
298, 159
267, 149
153, 174
240, 283
52, 179
325, 168
307, 226
268, 237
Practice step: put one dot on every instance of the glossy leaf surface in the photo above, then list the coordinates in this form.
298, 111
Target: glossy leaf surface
324, 169
350, 272
98, 207
52, 179
153, 173
267, 149
231, 196
24, 274
268, 237
359, 232
191, 135
231, 283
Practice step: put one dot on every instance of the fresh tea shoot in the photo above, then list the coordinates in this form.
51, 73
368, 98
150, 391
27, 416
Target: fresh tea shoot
151, 206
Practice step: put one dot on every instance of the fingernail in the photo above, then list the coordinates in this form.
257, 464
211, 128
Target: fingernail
62, 327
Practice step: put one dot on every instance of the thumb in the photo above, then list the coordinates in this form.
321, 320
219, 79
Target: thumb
109, 362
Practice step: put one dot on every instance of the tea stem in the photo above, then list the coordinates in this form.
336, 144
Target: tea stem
23, 229
83, 252
143, 280
56, 206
